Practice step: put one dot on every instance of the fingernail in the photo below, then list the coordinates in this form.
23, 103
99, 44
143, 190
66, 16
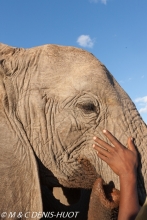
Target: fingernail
94, 138
93, 145
104, 131
131, 139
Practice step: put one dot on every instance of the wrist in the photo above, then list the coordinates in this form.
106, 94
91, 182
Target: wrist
131, 173
130, 177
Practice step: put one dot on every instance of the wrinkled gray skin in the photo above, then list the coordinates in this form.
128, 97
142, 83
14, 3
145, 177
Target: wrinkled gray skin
53, 100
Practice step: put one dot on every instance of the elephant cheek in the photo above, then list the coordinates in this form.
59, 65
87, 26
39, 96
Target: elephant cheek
68, 132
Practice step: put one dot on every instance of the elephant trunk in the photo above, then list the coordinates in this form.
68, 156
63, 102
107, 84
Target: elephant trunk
135, 127
104, 202
140, 135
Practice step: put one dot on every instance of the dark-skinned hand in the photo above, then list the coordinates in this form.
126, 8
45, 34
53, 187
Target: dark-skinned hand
121, 160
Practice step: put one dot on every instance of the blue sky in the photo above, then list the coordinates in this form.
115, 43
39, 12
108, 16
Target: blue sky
115, 31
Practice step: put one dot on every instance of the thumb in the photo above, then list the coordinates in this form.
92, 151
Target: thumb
131, 145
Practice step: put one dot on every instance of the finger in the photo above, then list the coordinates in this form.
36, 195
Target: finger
101, 156
101, 150
103, 143
131, 145
112, 139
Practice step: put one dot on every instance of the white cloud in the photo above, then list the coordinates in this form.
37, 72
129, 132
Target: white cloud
143, 110
142, 101
102, 1
85, 41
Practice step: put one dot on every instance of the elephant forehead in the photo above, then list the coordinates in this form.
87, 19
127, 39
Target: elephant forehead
82, 80
64, 68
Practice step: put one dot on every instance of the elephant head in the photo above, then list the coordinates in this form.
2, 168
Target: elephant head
54, 99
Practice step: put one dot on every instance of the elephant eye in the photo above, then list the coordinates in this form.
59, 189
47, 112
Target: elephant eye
87, 107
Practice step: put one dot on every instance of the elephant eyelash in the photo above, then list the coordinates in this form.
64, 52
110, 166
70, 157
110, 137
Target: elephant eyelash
87, 107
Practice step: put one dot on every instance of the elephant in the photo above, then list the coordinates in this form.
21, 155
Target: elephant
53, 100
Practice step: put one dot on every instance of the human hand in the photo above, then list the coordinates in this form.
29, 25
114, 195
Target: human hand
121, 160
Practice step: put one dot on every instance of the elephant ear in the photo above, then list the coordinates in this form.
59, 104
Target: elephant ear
19, 184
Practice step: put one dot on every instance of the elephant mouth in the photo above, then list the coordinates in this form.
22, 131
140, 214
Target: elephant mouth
70, 196
55, 194
106, 193
62, 199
